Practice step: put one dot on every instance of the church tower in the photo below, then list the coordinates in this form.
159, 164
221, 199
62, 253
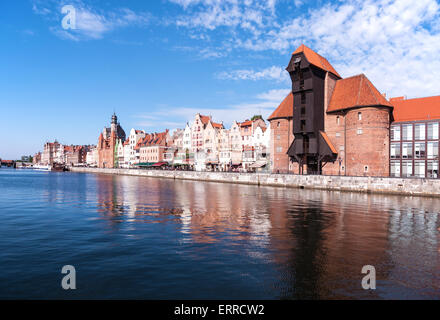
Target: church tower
114, 123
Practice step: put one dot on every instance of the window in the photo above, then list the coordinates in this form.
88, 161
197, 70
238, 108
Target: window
341, 148
359, 116
278, 124
395, 133
303, 98
419, 150
395, 151
365, 169
407, 150
303, 111
407, 168
419, 131
419, 168
407, 132
432, 130
337, 120
432, 150
303, 125
301, 79
278, 137
359, 131
432, 169
338, 134
395, 169
279, 149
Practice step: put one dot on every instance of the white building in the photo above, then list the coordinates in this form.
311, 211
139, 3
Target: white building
92, 157
134, 137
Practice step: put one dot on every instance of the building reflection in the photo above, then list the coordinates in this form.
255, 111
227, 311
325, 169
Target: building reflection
319, 241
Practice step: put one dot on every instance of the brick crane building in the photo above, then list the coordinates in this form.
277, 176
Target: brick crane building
335, 126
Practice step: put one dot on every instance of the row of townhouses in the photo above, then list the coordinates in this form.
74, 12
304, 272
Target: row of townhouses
202, 145
55, 152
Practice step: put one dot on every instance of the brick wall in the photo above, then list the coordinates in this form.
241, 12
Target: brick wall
334, 128
281, 139
367, 146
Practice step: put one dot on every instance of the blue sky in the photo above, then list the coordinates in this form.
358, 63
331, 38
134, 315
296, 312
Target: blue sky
156, 63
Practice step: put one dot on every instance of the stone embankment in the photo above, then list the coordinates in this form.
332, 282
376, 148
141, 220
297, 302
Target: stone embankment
410, 186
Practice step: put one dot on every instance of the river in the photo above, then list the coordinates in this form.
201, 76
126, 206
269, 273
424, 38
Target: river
147, 238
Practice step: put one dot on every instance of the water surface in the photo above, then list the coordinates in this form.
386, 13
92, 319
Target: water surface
146, 238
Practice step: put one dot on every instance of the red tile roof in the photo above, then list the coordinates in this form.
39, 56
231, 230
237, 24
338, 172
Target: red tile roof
217, 125
416, 109
154, 139
316, 59
246, 123
356, 91
327, 140
284, 110
205, 119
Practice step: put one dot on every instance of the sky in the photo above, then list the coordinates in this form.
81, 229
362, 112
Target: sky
157, 63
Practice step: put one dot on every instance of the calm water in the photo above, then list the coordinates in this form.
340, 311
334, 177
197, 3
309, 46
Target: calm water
143, 238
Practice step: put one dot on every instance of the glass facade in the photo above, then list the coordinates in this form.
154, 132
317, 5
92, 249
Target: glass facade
395, 133
414, 149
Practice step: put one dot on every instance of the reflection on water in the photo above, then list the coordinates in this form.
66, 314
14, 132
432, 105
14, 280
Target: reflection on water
137, 237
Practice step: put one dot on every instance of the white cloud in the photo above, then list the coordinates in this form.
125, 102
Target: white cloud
38, 9
275, 95
249, 15
396, 43
271, 73
90, 23
264, 104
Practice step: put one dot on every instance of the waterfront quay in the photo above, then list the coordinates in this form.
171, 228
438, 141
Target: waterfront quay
383, 185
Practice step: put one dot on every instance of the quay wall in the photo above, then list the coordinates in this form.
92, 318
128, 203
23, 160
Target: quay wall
409, 186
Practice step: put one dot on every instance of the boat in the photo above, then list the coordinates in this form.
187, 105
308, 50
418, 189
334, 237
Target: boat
41, 167
58, 167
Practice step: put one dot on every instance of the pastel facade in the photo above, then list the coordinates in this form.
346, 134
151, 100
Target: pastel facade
153, 147
134, 138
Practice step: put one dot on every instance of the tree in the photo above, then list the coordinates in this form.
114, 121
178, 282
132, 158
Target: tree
257, 116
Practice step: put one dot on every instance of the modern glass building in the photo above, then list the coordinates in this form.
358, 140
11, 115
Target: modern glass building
414, 149
414, 143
